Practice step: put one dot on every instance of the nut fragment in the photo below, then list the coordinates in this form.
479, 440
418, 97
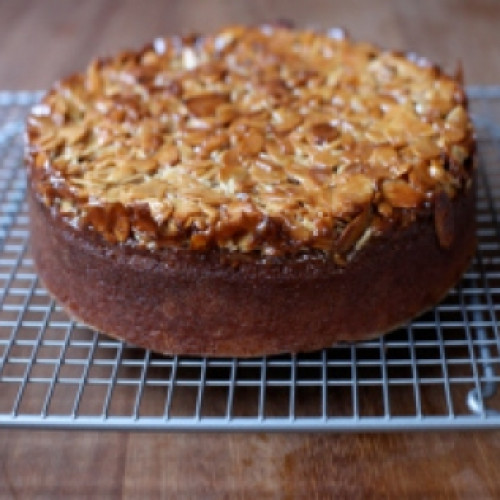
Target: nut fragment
400, 194
213, 143
420, 177
384, 156
230, 159
266, 172
204, 105
96, 217
353, 193
145, 166
168, 155
279, 147
119, 221
285, 120
444, 219
353, 232
250, 143
457, 117
324, 132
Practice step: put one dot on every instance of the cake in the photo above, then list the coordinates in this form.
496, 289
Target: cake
257, 191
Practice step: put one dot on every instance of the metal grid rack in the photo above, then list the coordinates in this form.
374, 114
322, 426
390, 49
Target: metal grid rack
440, 371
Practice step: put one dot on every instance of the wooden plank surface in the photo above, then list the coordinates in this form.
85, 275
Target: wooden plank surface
214, 466
41, 41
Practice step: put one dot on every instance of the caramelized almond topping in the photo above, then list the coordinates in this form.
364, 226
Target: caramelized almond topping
266, 140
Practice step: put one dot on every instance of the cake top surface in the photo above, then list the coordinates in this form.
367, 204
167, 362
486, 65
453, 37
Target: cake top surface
257, 140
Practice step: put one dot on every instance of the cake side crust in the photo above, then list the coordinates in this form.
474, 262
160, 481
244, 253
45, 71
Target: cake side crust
182, 302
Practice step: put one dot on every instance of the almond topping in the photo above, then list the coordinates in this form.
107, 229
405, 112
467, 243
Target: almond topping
313, 135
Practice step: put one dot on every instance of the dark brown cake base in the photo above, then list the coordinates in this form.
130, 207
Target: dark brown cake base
181, 302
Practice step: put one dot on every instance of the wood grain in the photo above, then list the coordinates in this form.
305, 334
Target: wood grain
42, 41
215, 466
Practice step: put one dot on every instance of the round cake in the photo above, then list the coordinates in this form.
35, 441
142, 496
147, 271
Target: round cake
257, 191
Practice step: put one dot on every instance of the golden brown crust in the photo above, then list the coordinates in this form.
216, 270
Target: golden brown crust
258, 140
178, 301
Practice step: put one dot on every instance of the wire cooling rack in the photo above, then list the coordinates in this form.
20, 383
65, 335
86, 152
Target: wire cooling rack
440, 371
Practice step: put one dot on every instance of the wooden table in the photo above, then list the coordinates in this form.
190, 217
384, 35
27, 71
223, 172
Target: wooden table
41, 41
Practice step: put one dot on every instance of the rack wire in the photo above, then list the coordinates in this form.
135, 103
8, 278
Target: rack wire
438, 372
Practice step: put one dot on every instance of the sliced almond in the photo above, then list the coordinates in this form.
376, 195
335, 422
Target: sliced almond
96, 217
420, 177
167, 155
323, 133
285, 120
233, 173
358, 188
144, 166
199, 241
400, 194
444, 219
204, 105
119, 222
250, 143
383, 156
214, 143
194, 137
267, 172
457, 117
230, 159
353, 232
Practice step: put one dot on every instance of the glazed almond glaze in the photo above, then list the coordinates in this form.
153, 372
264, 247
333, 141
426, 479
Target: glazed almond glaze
265, 141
